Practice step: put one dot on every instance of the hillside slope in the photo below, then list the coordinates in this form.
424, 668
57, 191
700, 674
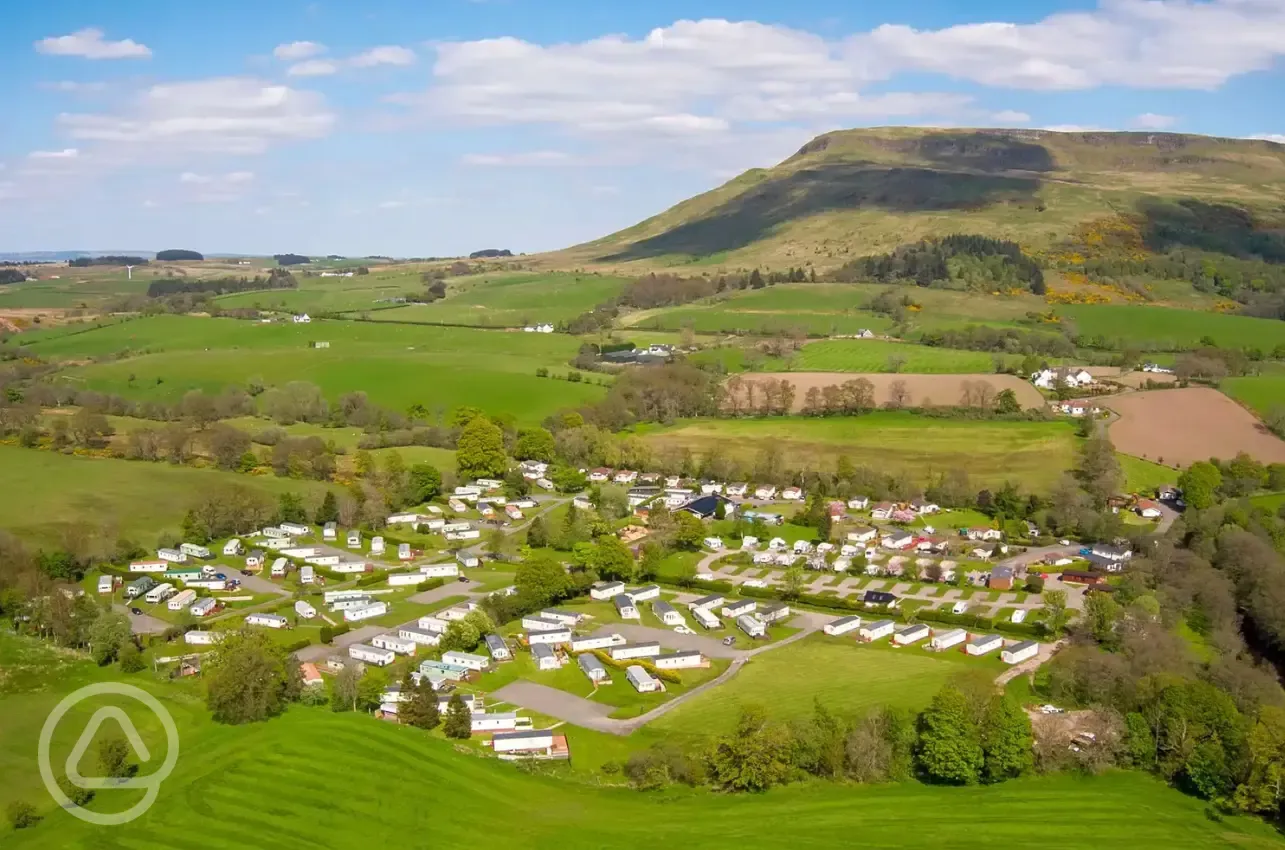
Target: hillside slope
857, 192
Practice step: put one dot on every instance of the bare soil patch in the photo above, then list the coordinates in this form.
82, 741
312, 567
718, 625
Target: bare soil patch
1134, 379
1181, 426
925, 390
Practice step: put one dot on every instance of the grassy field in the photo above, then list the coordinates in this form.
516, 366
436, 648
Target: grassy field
1168, 328
1261, 393
332, 294
846, 677
512, 300
44, 493
296, 762
872, 355
1035, 453
395, 365
1142, 476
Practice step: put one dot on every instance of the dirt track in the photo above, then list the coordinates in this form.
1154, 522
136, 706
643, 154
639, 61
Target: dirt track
1179, 427
925, 390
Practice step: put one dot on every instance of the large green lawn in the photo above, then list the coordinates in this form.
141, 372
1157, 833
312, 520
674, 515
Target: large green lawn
45, 493
872, 355
332, 294
313, 778
395, 365
1262, 393
1169, 328
1035, 453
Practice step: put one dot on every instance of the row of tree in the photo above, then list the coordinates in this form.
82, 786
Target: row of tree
276, 279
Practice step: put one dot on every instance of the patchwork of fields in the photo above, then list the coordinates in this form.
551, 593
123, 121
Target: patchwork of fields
1170, 328
1182, 426
872, 355
1035, 453
924, 390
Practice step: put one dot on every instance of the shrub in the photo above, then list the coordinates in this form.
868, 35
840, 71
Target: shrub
302, 643
78, 796
430, 584
22, 814
327, 634
1035, 584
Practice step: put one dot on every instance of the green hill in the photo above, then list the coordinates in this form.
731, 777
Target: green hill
855, 192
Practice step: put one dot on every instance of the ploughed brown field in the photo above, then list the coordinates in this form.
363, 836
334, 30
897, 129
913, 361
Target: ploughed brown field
925, 390
1179, 427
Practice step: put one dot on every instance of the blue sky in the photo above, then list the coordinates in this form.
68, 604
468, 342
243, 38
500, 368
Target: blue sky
418, 128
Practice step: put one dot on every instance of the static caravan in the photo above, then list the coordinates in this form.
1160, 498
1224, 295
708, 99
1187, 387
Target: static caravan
947, 639
106, 584
270, 621
644, 594
157, 566
376, 545
303, 609
295, 528
455, 527
354, 541
401, 519
910, 634
466, 534
371, 654
277, 544
646, 649
843, 625
332, 596
1019, 652
500, 721
140, 586
351, 567
680, 660
174, 556
405, 579
545, 658
1018, 616
279, 567
398, 644
422, 637
274, 532
959, 607
604, 590
403, 552
196, 637
467, 560
706, 618
466, 660
538, 623
567, 618
774, 613
366, 612
625, 607
593, 668
736, 609
557, 636
712, 601
751, 625
584, 644
202, 607
498, 648
642, 681
983, 644
158, 593
254, 560
323, 560
348, 602
330, 531
207, 583
194, 551
666, 613
876, 630
181, 600
307, 575
232, 548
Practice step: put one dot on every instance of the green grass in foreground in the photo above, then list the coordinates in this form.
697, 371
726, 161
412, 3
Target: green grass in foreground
45, 492
349, 781
1035, 453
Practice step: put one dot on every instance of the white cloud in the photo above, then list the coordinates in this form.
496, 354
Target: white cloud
1278, 138
313, 68
74, 87
1073, 128
225, 115
385, 55
1010, 117
1178, 44
391, 205
1152, 121
217, 188
65, 153
296, 50
526, 159
89, 44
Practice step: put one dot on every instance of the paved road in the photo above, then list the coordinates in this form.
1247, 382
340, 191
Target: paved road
671, 639
320, 651
142, 624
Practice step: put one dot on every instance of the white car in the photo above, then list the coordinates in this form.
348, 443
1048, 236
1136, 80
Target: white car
1050, 709
705, 576
683, 630
1064, 543
754, 583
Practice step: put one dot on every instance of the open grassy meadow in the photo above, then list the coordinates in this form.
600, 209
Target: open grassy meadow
1143, 476
332, 294
1261, 393
163, 357
874, 355
45, 493
511, 300
313, 778
1035, 453
1172, 329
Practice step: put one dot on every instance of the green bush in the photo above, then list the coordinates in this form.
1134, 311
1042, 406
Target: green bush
327, 634
373, 578
22, 814
430, 584
302, 643
664, 675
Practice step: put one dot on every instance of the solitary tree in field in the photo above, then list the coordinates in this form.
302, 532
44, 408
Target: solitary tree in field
479, 452
459, 720
113, 756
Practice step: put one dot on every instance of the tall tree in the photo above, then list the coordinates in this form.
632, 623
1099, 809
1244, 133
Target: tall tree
459, 720
755, 757
950, 747
1006, 740
479, 452
425, 483
535, 444
329, 509
109, 634
249, 678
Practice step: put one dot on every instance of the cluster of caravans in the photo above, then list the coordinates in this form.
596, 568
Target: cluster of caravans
749, 616
938, 639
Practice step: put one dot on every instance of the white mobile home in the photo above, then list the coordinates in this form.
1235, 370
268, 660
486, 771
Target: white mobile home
466, 660
584, 644
232, 548
876, 630
843, 625
751, 625
774, 613
398, 644
207, 583
254, 560
403, 552
501, 721
625, 607
545, 658
295, 528
333, 596
157, 566
194, 551
181, 600
604, 590
307, 575
330, 531
556, 636
174, 556
644, 594
376, 545
712, 601
202, 607
279, 567
106, 584
538, 623
706, 618
277, 544
666, 613
366, 612
498, 648
1019, 652
1018, 616
304, 610
345, 603
371, 655
467, 560
439, 571
322, 560
592, 667
680, 660
947, 639
274, 532
983, 644
419, 636
736, 609
351, 567
156, 594
642, 681
406, 579
467, 534
270, 621
910, 634
566, 618
196, 637
626, 651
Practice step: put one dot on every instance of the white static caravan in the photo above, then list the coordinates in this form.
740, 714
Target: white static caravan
593, 668
276, 544
351, 567
371, 655
270, 621
376, 545
556, 636
500, 721
330, 531
359, 600
876, 631
1018, 616
545, 658
843, 625
156, 594
304, 610
1020, 652
910, 634
642, 681
295, 528
279, 567
466, 660
537, 623
405, 579
680, 660
354, 540
625, 607
419, 636
467, 560
207, 583
398, 644
232, 548
202, 607
736, 609
644, 594
194, 551
174, 556
666, 613
106, 584
323, 560
751, 625
498, 649
604, 590
439, 571
983, 644
706, 618
196, 637
333, 596
625, 651
307, 575
566, 618
947, 639
366, 612
584, 644
181, 600
157, 566
403, 552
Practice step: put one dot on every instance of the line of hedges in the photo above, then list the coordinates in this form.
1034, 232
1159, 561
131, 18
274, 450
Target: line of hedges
664, 675
329, 633
430, 584
302, 643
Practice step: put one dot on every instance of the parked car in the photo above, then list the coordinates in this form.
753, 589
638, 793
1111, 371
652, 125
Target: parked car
245, 572
138, 612
1064, 543
462, 579
729, 641
683, 630
220, 576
